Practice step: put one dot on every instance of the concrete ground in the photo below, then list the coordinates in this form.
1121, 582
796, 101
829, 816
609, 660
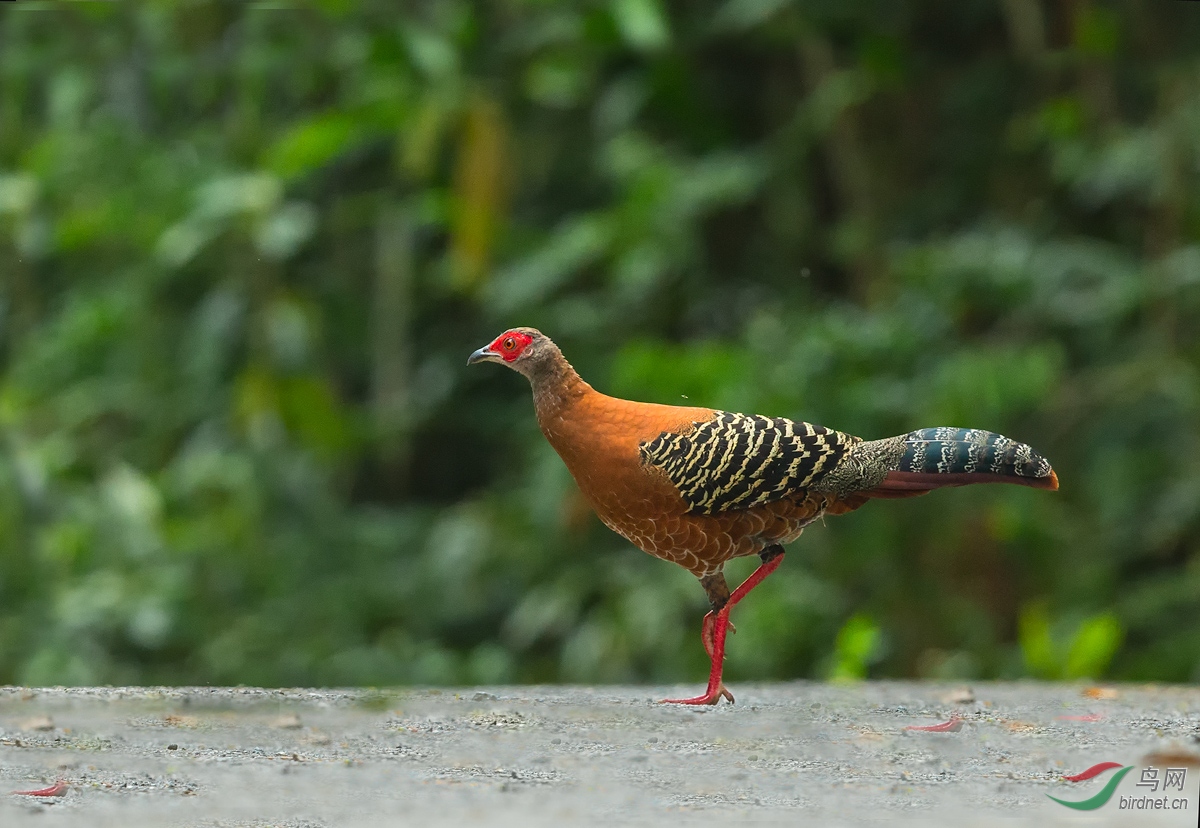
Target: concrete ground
799, 753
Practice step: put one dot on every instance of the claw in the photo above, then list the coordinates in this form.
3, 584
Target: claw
709, 698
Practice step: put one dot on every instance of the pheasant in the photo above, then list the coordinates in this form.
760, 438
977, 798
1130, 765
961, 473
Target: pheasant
699, 487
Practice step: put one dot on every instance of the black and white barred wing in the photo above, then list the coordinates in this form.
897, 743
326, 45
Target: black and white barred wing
735, 461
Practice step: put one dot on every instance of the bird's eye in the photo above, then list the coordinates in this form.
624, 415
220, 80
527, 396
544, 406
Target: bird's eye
509, 344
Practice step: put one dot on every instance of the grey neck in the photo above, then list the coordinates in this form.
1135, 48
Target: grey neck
555, 383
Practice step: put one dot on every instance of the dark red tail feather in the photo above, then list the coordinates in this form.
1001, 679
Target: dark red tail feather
911, 484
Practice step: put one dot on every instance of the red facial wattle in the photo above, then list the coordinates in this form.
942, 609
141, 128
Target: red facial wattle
510, 345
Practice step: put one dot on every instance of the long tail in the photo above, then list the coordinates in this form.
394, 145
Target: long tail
936, 457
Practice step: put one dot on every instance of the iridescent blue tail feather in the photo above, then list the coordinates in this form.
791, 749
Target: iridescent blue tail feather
938, 457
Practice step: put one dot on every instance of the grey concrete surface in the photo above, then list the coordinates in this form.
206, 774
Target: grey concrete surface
786, 754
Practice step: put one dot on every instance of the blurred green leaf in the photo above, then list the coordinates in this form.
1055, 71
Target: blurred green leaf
695, 375
17, 193
1094, 646
743, 14
282, 233
1097, 30
1042, 658
856, 647
310, 145
1085, 653
556, 80
233, 194
642, 23
570, 247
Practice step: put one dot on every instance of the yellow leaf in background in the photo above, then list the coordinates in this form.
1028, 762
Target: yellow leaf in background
480, 188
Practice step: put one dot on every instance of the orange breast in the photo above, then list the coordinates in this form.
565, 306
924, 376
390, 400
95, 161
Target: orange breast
598, 438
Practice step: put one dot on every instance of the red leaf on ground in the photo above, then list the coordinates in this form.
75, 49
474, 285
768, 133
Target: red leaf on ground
1091, 717
952, 726
57, 789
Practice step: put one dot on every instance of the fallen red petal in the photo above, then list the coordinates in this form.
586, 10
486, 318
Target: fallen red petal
952, 726
1094, 770
1091, 717
57, 789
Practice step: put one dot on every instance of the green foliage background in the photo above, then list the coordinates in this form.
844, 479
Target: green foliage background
246, 247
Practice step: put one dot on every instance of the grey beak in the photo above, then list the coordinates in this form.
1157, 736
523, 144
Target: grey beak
483, 355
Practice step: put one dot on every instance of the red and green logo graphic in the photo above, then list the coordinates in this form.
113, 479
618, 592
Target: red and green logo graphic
1104, 794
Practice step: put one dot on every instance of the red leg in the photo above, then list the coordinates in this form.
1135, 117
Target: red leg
716, 627
706, 632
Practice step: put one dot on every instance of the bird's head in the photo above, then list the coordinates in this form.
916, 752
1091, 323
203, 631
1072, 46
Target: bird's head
525, 350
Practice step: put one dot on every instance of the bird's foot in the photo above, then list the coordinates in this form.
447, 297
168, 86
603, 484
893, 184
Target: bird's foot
713, 696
